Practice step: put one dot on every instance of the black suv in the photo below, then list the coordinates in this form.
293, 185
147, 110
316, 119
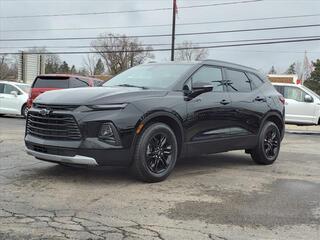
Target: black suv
150, 115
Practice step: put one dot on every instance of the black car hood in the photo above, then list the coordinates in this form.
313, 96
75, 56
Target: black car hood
97, 95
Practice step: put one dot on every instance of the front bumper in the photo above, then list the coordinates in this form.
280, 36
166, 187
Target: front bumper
77, 159
88, 152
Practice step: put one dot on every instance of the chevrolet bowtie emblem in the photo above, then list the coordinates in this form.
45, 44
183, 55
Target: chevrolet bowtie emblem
45, 112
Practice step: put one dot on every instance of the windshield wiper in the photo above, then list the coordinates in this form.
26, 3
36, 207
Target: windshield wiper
130, 85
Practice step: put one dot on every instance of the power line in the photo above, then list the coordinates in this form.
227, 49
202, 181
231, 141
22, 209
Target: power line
167, 44
169, 49
162, 25
159, 35
128, 11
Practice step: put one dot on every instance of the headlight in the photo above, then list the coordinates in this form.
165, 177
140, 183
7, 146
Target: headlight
108, 133
108, 106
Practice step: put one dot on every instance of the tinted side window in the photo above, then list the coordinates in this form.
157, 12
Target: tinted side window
237, 81
256, 82
75, 83
279, 89
9, 88
294, 93
51, 83
1, 87
209, 75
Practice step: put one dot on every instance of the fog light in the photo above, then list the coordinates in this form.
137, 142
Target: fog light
108, 133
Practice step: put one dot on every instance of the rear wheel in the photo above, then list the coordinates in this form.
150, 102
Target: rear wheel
267, 150
24, 110
155, 153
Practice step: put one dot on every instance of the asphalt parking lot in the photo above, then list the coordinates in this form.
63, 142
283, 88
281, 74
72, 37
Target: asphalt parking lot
222, 196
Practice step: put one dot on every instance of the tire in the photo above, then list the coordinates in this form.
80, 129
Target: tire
24, 110
267, 150
156, 153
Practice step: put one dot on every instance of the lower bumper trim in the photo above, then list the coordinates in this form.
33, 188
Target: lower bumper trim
63, 159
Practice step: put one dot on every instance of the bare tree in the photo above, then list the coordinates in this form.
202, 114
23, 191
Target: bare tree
8, 67
187, 53
121, 52
90, 62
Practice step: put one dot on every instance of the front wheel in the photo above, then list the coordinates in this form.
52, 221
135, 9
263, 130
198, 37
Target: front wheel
24, 110
156, 153
268, 147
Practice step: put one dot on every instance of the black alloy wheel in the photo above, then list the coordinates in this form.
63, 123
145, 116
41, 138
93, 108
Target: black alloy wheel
268, 146
156, 153
159, 153
271, 143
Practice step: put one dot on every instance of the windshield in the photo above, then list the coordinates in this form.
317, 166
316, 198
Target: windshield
150, 76
24, 87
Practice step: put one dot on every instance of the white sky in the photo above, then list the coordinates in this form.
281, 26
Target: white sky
261, 57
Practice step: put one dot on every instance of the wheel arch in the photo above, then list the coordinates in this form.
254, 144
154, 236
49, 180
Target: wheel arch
277, 118
173, 120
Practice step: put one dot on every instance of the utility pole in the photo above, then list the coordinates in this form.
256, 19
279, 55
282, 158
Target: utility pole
174, 11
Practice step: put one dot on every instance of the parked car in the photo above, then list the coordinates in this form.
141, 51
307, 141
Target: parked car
150, 115
302, 104
13, 98
48, 82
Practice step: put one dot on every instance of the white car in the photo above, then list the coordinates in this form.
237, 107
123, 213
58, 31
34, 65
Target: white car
13, 98
302, 105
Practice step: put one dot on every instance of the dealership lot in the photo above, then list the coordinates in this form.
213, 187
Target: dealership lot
222, 196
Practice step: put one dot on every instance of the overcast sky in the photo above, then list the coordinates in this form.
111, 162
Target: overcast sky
261, 57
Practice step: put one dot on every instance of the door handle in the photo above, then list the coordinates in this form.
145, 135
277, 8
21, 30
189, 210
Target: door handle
225, 102
260, 99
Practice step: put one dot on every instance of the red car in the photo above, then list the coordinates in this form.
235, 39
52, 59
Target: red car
48, 82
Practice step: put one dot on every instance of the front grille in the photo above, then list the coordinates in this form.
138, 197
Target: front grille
53, 126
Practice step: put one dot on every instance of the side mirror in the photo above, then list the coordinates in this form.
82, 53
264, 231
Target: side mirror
14, 93
308, 98
199, 88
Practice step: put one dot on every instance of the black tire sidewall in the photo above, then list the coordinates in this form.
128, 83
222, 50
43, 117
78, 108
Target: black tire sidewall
140, 151
262, 154
24, 107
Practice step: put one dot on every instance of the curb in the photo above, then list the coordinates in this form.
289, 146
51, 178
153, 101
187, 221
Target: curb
303, 132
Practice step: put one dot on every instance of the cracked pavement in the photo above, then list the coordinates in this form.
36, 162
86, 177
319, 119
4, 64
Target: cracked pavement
222, 196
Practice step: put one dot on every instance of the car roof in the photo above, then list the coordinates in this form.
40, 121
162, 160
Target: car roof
68, 76
209, 61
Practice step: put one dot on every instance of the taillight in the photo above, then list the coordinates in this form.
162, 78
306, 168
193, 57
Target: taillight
282, 100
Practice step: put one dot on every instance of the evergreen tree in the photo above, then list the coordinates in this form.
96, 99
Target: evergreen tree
315, 74
313, 81
272, 70
291, 69
64, 67
99, 68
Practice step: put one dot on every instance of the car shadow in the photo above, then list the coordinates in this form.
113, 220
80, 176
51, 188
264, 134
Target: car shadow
187, 166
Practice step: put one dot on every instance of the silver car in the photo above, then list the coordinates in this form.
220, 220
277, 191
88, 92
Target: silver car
302, 105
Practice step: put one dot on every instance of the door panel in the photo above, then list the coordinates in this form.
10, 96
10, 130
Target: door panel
208, 120
248, 107
9, 102
296, 109
208, 113
248, 111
